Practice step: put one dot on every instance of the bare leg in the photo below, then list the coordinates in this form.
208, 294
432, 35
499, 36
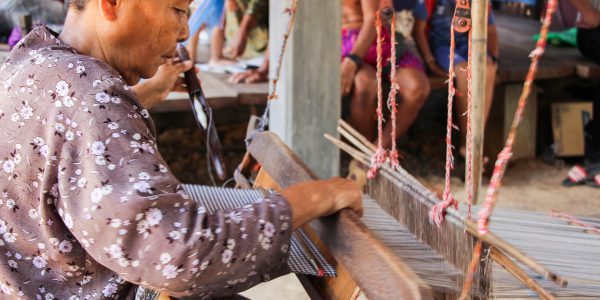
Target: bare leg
414, 89
193, 44
363, 103
461, 103
489, 87
217, 42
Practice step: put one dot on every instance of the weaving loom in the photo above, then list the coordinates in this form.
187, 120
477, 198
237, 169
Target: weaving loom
395, 252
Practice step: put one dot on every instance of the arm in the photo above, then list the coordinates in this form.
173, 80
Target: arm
364, 40
493, 42
248, 23
420, 37
129, 212
367, 34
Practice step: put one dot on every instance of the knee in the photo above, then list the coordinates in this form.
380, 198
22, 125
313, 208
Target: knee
414, 90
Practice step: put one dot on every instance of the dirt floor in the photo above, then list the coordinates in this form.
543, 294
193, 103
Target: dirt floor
534, 185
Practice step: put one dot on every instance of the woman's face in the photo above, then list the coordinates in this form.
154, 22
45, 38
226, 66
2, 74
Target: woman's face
144, 35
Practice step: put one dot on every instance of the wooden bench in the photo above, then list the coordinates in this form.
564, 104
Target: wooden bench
219, 93
516, 43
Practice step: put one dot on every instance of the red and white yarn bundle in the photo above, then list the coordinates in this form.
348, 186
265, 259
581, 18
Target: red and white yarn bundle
393, 107
381, 154
438, 211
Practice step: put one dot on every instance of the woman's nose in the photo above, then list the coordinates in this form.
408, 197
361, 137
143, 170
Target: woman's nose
184, 33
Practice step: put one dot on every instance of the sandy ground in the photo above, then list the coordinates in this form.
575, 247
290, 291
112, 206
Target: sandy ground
534, 185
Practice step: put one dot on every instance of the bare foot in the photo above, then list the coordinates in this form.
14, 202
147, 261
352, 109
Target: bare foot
222, 62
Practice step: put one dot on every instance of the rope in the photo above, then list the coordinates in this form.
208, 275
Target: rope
392, 105
504, 156
506, 153
469, 142
264, 119
438, 211
380, 155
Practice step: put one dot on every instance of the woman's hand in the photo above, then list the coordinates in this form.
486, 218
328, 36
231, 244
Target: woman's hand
348, 71
314, 199
156, 89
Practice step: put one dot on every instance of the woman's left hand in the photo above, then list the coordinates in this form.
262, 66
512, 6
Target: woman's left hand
156, 89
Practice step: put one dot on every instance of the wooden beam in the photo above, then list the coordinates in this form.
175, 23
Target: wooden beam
479, 12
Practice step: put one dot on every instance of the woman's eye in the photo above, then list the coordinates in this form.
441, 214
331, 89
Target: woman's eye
181, 11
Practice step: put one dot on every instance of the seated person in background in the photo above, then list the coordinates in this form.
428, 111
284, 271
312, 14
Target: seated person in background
431, 33
246, 35
359, 52
588, 28
206, 15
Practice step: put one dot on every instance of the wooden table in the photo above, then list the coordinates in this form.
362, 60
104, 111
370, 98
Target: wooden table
219, 93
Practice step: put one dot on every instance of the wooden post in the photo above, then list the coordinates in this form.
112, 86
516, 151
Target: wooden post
479, 14
308, 103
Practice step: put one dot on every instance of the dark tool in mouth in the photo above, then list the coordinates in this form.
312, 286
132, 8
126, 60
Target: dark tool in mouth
204, 117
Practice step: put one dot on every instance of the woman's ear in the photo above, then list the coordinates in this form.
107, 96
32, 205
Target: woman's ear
108, 8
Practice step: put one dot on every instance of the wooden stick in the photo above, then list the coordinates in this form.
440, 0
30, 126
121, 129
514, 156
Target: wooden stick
513, 269
499, 243
479, 12
470, 226
464, 294
356, 134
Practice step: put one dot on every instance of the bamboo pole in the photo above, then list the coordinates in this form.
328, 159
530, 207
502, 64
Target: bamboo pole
479, 14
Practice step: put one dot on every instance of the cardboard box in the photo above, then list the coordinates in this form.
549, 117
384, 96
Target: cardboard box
568, 121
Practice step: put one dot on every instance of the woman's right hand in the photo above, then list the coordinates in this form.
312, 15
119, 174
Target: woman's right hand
314, 199
348, 71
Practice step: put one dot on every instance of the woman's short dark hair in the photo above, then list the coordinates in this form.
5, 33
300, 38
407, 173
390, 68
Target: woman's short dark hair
78, 4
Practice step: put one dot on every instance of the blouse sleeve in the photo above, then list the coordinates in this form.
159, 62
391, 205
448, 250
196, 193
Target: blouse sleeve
127, 209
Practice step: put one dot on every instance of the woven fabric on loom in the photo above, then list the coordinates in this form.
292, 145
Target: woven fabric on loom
301, 251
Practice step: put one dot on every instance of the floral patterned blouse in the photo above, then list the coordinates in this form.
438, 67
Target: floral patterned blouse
88, 207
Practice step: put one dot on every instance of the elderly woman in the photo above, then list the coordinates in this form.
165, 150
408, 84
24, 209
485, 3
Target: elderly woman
88, 207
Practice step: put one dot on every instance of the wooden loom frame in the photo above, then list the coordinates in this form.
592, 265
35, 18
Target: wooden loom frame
362, 261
